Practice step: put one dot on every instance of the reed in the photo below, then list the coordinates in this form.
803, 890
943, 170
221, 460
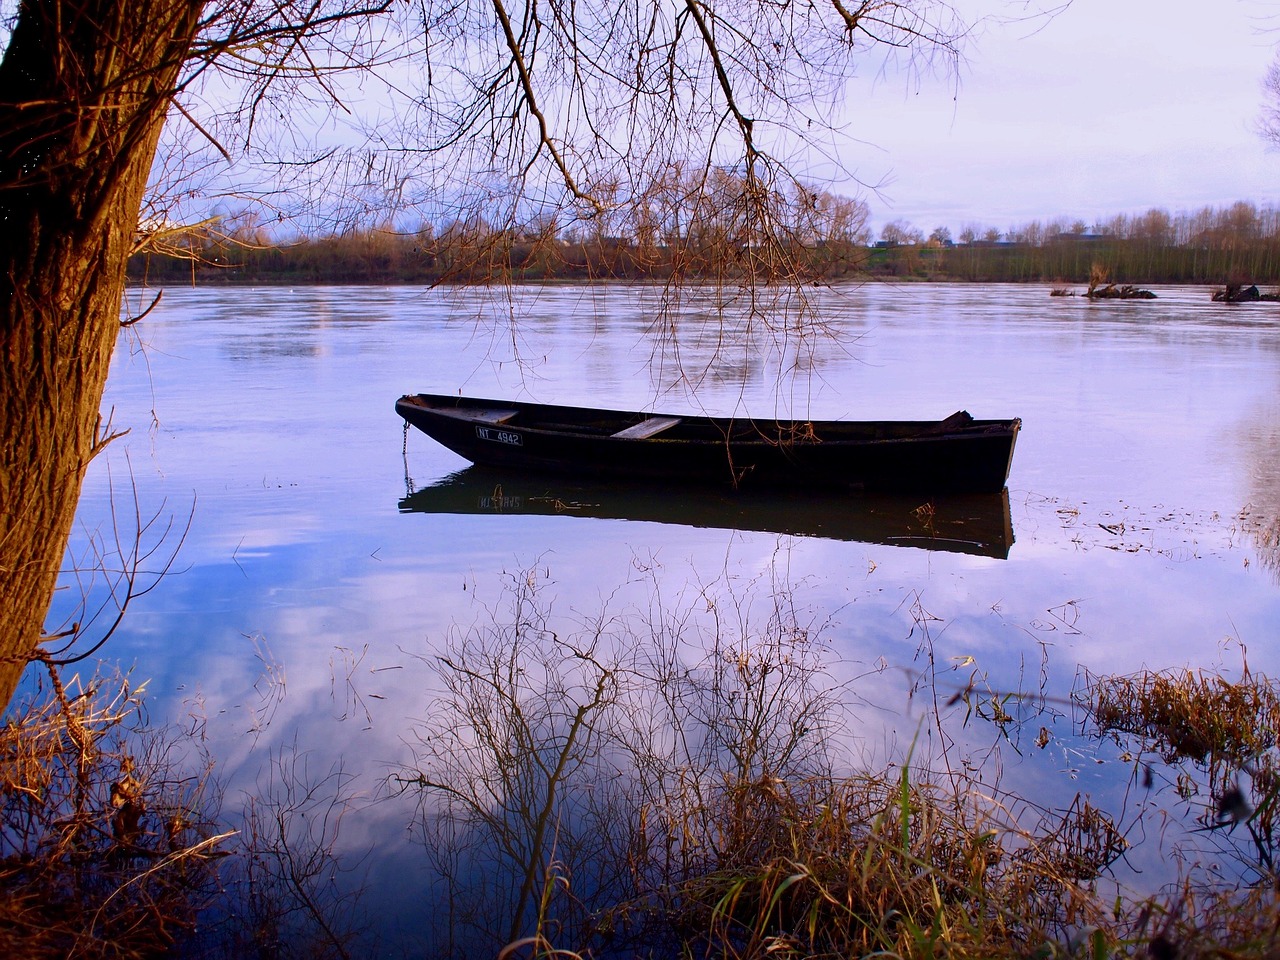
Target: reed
1222, 725
105, 851
672, 784
882, 864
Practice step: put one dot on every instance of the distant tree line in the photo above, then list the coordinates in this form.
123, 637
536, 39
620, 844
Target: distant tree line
1210, 245
677, 230
683, 224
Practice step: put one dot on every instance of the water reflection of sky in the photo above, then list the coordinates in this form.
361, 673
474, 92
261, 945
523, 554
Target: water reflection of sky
305, 606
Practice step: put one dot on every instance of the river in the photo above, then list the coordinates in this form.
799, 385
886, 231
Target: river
323, 572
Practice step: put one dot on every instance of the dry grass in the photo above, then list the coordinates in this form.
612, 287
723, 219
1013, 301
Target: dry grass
661, 788
697, 810
1224, 726
1221, 734
881, 865
1193, 923
102, 854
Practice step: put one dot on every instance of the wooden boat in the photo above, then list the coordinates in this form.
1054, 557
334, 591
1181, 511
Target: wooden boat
978, 524
955, 455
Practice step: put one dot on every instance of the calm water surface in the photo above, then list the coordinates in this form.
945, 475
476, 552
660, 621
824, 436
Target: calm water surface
321, 573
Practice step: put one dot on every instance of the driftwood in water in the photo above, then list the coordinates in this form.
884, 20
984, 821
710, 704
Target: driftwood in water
1125, 291
1238, 293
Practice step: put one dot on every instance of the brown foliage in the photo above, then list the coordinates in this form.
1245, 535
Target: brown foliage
104, 852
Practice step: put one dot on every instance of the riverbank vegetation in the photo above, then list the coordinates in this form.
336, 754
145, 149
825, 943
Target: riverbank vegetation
114, 842
106, 850
679, 785
677, 232
678, 782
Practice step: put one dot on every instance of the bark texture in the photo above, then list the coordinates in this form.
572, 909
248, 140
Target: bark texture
84, 88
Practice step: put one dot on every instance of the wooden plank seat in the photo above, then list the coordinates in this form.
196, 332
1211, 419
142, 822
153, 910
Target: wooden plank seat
647, 428
488, 416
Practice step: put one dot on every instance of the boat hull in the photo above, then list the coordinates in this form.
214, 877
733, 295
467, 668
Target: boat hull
964, 456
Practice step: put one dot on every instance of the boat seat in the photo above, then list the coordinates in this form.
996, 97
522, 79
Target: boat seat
489, 416
647, 428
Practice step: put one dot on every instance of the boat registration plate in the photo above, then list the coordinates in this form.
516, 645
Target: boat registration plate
500, 436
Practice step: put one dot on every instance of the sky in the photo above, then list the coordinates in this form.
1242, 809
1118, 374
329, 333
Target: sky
1111, 106
1106, 107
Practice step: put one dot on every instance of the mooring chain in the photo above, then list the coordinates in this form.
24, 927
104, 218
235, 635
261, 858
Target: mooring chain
404, 454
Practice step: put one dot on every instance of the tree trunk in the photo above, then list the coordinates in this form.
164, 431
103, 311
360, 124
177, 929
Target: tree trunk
84, 88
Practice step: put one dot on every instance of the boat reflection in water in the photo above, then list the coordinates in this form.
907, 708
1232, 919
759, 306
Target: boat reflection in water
977, 524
